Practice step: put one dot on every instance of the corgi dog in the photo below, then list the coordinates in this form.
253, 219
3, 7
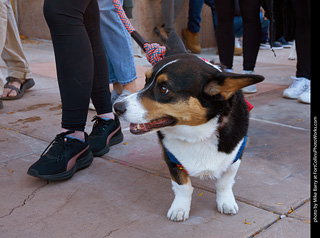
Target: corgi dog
201, 120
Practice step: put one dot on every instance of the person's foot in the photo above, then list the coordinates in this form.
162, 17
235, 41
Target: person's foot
105, 133
305, 97
251, 88
298, 87
15, 88
7, 92
64, 156
192, 41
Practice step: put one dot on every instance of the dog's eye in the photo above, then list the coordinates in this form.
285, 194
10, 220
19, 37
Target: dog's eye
164, 90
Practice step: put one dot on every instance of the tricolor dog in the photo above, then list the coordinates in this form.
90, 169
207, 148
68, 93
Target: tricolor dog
201, 119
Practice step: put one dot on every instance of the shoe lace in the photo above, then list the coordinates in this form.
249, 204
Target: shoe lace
58, 144
99, 125
298, 82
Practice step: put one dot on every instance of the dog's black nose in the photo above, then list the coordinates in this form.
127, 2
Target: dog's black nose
119, 108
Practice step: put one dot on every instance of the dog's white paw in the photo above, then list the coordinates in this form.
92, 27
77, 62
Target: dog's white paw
180, 207
227, 204
178, 214
228, 208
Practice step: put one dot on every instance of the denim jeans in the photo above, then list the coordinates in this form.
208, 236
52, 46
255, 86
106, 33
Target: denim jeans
238, 26
194, 19
117, 44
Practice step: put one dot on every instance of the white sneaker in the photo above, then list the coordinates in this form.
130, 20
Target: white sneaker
305, 97
299, 86
251, 88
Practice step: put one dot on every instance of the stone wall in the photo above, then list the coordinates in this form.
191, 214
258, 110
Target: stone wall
146, 15
30, 19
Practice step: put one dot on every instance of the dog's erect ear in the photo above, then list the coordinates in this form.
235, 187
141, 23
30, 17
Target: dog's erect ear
174, 45
226, 84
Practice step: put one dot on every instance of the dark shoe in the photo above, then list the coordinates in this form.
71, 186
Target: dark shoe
105, 133
65, 157
1, 104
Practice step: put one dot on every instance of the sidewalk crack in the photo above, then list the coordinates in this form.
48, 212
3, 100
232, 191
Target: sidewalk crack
29, 197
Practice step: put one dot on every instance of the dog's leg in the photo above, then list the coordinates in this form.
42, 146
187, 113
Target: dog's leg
225, 199
180, 207
182, 188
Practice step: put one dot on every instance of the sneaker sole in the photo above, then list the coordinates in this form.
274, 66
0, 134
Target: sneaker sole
113, 141
80, 164
290, 97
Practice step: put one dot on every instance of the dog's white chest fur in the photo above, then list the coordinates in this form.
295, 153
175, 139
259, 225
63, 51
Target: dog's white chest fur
196, 148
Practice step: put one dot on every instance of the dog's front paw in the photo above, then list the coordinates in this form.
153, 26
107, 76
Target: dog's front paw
227, 205
178, 214
228, 208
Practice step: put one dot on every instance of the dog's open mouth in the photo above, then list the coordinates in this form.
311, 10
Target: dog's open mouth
141, 128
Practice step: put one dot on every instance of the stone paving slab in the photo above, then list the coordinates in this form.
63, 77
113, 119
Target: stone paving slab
15, 186
271, 107
110, 198
9, 140
287, 227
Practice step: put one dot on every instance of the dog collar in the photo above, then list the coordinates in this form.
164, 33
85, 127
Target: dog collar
174, 160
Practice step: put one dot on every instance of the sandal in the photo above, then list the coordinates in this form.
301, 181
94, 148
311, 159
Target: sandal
29, 83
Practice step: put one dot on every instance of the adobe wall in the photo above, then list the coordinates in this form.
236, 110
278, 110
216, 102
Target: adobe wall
146, 15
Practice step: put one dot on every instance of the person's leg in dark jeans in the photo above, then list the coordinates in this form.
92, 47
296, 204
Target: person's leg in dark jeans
82, 73
302, 10
210, 3
194, 16
250, 12
225, 10
191, 33
301, 87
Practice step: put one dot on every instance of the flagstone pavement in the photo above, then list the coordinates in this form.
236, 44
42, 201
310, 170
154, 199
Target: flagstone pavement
127, 192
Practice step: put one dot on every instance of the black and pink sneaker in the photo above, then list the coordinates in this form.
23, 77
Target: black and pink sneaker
105, 133
64, 156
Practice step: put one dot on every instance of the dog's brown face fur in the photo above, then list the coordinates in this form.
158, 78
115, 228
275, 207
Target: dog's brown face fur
181, 89
171, 98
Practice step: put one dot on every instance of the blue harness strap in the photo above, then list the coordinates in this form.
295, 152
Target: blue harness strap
172, 157
241, 149
177, 162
